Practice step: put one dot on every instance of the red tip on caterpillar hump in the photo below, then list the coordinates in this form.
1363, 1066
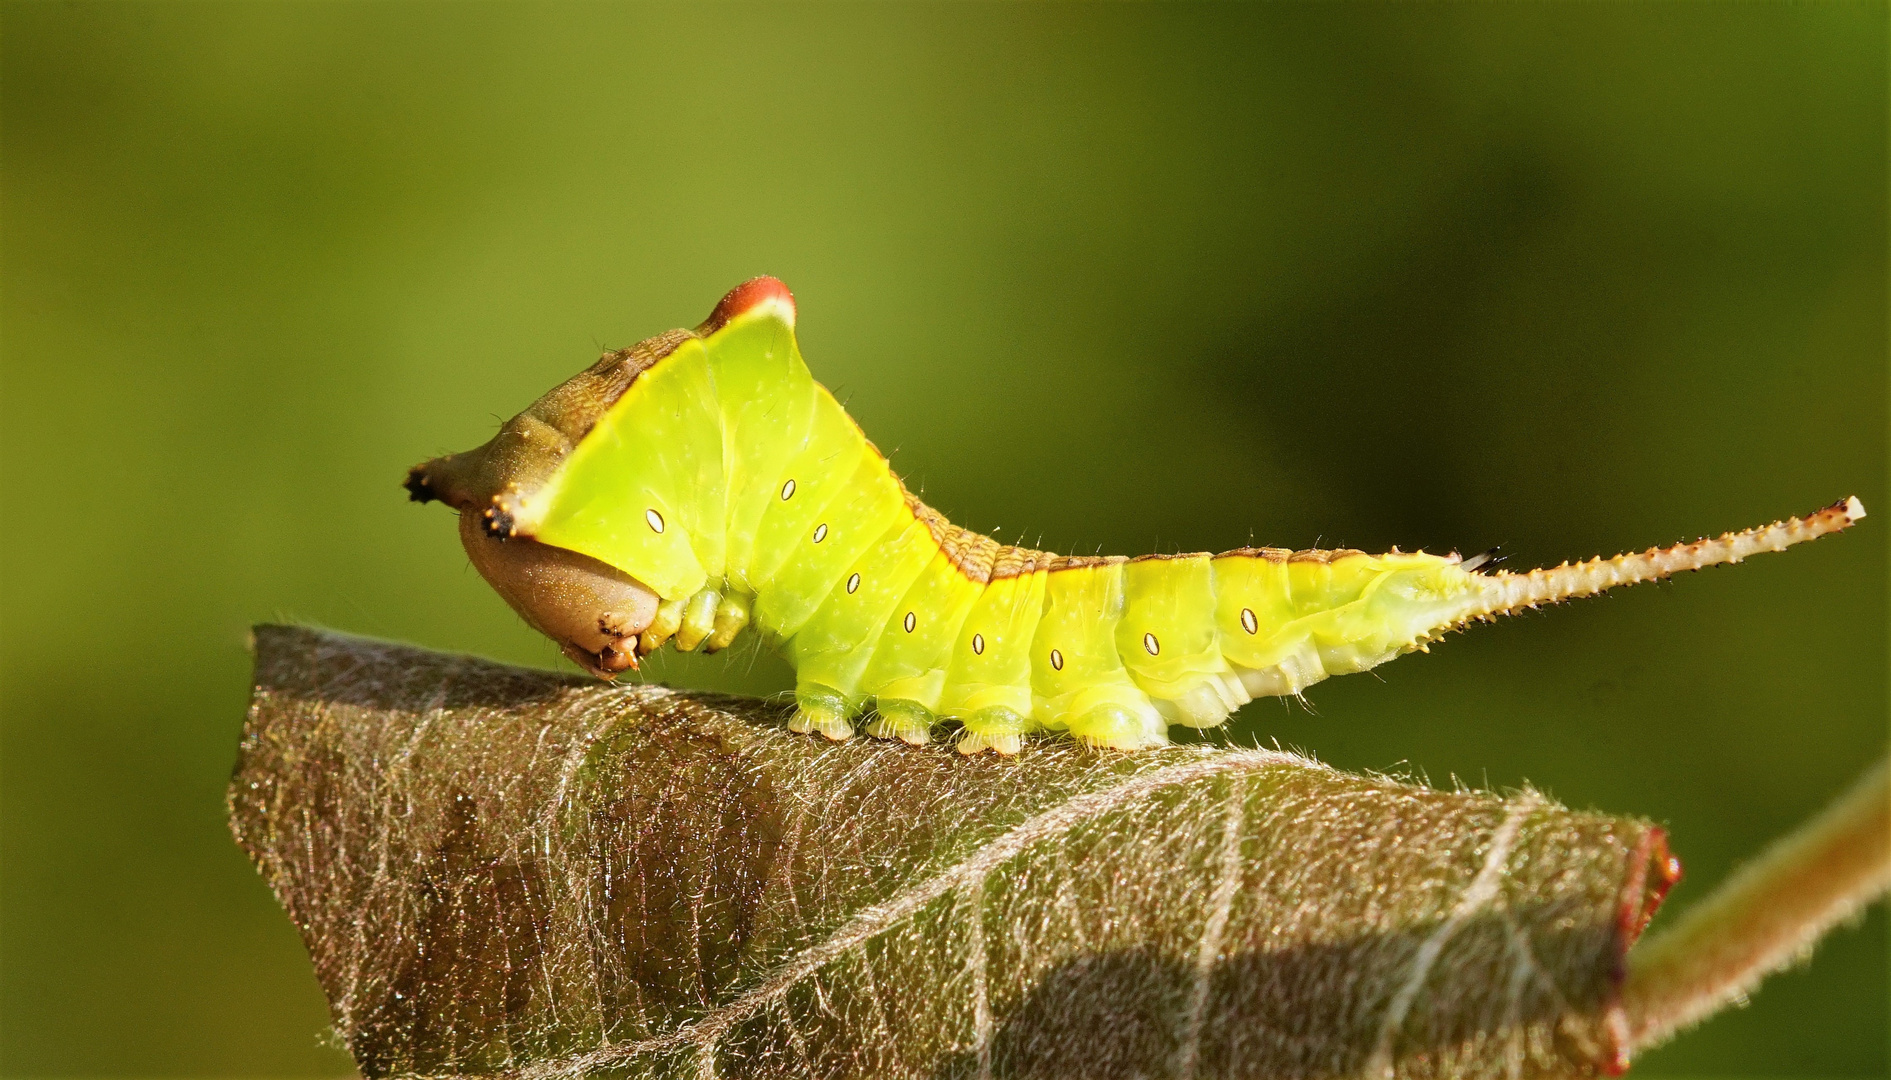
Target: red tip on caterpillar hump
752, 295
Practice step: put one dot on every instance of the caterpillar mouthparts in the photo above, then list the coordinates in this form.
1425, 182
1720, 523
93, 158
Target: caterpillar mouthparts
700, 482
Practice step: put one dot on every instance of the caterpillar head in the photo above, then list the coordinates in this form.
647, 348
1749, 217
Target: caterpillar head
543, 509
592, 610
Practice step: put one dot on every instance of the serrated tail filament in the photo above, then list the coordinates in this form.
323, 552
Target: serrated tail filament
1505, 592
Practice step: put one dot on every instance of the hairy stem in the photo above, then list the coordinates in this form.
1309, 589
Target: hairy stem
1766, 916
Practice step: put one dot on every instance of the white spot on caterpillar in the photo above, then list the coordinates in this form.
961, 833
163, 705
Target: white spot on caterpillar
978, 644
820, 532
787, 490
1149, 644
1057, 660
1247, 620
655, 519
909, 622
853, 583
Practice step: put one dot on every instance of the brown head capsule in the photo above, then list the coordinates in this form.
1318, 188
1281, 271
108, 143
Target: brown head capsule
593, 611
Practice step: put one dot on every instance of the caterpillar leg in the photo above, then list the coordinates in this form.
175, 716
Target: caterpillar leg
669, 619
993, 728
732, 616
1208, 703
699, 620
708, 620
821, 709
1119, 728
908, 721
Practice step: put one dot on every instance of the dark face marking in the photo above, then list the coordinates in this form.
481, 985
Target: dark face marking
498, 523
419, 488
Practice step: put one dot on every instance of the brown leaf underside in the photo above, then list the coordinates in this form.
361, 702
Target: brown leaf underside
500, 871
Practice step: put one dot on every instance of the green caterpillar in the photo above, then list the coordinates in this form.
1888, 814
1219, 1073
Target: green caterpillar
701, 482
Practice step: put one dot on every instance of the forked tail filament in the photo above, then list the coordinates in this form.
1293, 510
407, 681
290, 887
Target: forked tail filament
1505, 592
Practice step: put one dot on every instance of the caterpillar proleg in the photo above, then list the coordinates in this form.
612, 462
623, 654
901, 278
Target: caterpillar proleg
701, 483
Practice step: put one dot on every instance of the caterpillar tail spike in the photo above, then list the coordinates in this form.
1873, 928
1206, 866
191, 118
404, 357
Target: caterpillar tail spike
1505, 592
701, 484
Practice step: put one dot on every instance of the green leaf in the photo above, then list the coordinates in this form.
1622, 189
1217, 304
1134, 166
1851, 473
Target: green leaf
500, 871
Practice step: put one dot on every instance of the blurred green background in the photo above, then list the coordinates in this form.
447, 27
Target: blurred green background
1572, 279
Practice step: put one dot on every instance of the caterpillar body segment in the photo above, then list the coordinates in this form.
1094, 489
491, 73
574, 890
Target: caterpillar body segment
702, 482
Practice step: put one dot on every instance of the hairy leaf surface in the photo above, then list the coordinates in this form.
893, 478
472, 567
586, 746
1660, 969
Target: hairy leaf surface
509, 872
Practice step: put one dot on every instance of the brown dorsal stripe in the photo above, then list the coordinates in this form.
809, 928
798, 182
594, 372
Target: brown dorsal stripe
1017, 562
977, 556
984, 560
1078, 562
1172, 558
1317, 555
616, 371
1273, 555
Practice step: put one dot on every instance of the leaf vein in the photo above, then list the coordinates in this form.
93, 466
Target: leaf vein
878, 918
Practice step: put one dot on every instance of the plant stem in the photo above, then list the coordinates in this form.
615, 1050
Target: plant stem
1766, 916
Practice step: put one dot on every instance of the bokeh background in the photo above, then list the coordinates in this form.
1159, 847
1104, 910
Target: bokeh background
1569, 279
